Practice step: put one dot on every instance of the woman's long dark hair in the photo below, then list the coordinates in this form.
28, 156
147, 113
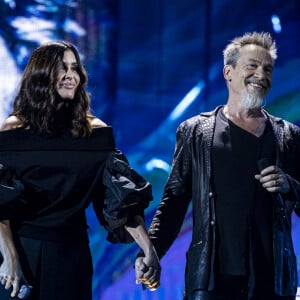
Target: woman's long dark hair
38, 103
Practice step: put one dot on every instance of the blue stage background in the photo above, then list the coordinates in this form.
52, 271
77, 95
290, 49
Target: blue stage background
151, 65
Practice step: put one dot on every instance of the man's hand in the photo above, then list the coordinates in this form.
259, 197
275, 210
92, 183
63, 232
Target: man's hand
147, 268
273, 179
147, 271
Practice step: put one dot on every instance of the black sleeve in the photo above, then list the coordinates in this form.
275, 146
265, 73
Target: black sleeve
294, 176
172, 209
12, 199
127, 194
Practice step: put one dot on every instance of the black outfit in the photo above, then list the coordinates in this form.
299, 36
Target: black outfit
236, 152
61, 176
201, 141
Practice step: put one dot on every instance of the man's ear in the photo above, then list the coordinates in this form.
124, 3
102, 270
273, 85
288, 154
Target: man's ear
227, 72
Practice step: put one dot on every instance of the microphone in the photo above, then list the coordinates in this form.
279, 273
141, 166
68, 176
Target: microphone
263, 163
24, 292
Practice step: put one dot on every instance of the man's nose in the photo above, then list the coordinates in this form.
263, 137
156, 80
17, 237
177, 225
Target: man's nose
260, 73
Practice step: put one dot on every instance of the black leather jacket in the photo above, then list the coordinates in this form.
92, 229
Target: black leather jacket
190, 178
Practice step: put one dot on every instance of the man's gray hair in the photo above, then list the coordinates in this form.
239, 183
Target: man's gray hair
264, 39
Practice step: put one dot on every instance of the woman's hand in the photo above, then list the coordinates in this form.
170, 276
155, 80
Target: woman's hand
11, 274
148, 270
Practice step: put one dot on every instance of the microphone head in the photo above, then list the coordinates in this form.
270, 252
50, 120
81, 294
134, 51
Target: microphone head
263, 163
24, 292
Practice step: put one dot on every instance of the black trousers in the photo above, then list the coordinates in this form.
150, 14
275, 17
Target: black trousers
236, 288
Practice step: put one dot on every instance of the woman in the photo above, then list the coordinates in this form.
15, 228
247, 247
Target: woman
56, 159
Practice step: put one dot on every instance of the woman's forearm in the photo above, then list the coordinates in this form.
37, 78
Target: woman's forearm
147, 268
7, 246
10, 270
136, 228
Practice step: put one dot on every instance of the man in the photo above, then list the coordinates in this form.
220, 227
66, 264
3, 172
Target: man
240, 166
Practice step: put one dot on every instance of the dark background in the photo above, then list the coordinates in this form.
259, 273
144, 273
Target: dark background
151, 64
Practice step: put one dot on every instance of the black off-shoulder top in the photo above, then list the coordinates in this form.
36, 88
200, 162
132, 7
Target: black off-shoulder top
61, 176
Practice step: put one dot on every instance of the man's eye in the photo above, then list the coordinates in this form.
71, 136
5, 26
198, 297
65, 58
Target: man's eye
269, 71
252, 66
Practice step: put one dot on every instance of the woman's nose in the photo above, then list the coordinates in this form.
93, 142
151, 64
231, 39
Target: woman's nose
68, 74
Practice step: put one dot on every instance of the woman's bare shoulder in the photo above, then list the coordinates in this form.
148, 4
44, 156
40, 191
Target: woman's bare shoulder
11, 122
96, 122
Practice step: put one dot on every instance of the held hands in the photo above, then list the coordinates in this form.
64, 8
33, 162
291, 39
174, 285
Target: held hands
147, 271
147, 268
273, 179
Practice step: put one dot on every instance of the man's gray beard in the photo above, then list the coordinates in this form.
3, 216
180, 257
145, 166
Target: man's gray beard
250, 101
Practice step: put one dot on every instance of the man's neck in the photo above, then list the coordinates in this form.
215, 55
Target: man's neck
242, 113
251, 120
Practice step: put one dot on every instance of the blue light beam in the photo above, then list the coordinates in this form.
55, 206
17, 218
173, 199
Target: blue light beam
189, 98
